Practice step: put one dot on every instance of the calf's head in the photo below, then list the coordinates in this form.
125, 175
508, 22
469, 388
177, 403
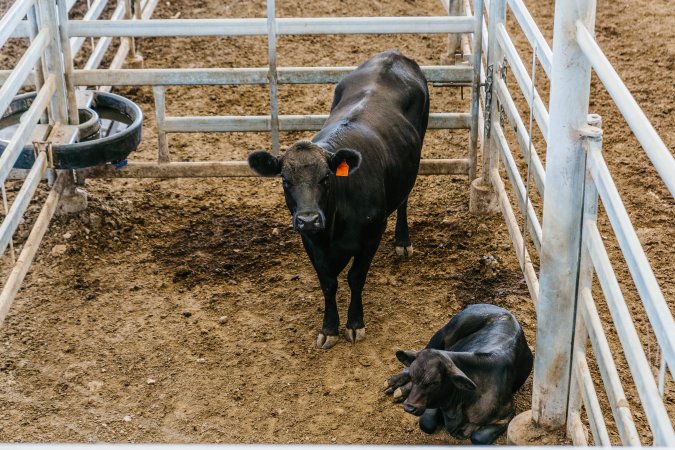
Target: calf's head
435, 380
307, 172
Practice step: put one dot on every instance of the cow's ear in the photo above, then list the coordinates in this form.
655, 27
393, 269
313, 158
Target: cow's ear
344, 157
264, 163
459, 378
406, 356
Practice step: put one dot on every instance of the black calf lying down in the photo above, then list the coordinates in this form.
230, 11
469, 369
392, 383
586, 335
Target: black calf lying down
466, 376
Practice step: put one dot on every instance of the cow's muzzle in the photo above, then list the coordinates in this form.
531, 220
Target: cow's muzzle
309, 222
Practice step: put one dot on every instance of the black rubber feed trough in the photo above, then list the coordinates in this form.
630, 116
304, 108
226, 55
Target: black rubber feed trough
108, 132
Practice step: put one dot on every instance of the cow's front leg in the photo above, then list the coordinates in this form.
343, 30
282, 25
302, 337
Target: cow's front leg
355, 329
329, 334
328, 266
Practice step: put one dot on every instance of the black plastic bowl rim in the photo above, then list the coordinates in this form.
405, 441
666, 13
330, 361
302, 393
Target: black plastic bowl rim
95, 152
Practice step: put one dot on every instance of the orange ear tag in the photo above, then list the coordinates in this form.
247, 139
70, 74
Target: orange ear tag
342, 169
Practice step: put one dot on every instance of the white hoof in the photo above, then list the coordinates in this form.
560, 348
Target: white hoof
326, 342
355, 335
405, 252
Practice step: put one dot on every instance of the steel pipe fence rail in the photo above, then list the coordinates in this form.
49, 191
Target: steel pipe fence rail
534, 36
93, 13
26, 127
582, 374
10, 21
285, 26
25, 65
610, 376
223, 169
217, 124
656, 413
652, 298
30, 247
522, 136
516, 236
456, 75
523, 79
23, 198
645, 133
534, 227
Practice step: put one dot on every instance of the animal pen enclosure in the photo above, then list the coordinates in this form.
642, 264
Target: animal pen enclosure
574, 177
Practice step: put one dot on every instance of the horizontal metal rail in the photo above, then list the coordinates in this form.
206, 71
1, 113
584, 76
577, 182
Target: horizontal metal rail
534, 227
93, 13
30, 247
101, 47
610, 376
285, 26
286, 75
23, 198
25, 128
222, 169
523, 138
211, 124
533, 34
655, 304
10, 21
593, 411
644, 131
25, 65
523, 79
516, 236
656, 413
458, 75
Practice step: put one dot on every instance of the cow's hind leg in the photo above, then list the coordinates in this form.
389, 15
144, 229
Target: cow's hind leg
401, 237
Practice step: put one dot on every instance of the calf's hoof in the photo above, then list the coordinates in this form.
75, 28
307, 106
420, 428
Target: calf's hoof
326, 342
355, 335
404, 251
396, 381
400, 394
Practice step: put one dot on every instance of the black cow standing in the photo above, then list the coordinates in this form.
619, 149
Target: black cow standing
467, 374
376, 124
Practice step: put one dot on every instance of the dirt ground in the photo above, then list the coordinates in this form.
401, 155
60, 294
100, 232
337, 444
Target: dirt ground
186, 310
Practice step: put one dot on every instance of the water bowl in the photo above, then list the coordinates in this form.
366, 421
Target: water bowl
109, 130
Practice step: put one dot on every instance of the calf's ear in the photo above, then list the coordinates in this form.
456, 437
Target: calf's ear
344, 156
459, 378
264, 163
406, 356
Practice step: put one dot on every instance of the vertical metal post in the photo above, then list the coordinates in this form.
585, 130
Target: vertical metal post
563, 202
482, 199
34, 28
475, 90
54, 63
73, 117
272, 75
160, 113
593, 137
495, 60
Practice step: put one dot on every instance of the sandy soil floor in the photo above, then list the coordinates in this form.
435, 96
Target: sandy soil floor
186, 310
